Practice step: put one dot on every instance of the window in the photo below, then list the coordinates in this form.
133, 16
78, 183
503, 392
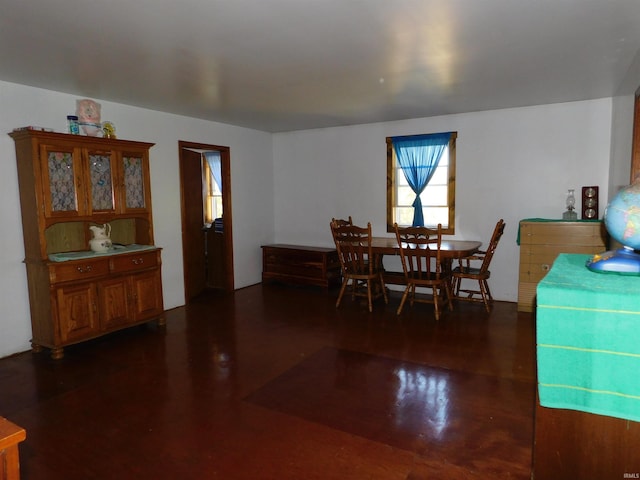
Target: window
211, 181
437, 198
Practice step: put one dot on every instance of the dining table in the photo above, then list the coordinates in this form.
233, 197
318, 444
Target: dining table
449, 251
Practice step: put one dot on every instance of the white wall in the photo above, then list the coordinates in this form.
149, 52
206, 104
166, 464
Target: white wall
252, 193
511, 164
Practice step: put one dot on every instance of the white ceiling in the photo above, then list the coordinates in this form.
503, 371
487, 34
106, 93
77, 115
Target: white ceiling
280, 65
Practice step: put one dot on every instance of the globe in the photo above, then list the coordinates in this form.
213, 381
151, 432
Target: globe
622, 219
622, 216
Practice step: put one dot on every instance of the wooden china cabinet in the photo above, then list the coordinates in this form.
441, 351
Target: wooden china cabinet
68, 183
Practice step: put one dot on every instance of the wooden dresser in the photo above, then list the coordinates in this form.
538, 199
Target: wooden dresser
540, 243
67, 184
300, 265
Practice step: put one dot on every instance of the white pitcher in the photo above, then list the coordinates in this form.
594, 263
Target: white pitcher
101, 241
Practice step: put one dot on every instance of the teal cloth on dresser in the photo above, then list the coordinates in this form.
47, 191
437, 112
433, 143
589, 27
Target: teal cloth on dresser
588, 339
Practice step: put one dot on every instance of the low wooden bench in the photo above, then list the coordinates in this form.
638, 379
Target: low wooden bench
301, 265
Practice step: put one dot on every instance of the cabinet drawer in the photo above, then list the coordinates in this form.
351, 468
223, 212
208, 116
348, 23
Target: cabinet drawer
562, 233
536, 260
534, 272
527, 296
78, 270
292, 257
533, 252
310, 270
137, 261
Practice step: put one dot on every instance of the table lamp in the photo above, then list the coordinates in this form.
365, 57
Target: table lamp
570, 213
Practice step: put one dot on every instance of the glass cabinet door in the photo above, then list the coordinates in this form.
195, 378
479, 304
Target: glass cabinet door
62, 181
135, 187
101, 181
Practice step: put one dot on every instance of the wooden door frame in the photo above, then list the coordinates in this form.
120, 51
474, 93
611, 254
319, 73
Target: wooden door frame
635, 149
227, 217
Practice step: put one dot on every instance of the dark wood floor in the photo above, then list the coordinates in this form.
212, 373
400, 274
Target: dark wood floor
274, 383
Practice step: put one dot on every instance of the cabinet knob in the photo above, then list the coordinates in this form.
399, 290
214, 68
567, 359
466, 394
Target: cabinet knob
85, 269
138, 261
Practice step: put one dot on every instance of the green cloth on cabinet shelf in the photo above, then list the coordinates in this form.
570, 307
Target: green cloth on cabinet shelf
588, 339
66, 256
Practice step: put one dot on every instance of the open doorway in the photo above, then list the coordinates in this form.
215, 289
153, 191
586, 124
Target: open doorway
205, 192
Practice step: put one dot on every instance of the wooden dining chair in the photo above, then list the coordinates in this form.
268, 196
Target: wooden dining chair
479, 273
359, 267
341, 222
422, 266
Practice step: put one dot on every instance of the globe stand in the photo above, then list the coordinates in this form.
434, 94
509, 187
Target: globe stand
624, 261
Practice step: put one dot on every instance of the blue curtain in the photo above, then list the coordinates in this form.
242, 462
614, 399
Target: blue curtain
215, 164
418, 156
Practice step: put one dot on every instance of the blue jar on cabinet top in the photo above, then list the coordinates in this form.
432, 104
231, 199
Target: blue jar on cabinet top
72, 123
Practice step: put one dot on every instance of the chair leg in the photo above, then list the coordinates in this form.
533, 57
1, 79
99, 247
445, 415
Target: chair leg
486, 286
436, 302
404, 298
369, 296
456, 286
413, 294
384, 289
354, 288
449, 295
483, 292
343, 287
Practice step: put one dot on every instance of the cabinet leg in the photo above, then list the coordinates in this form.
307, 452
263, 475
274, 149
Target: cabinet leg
57, 353
35, 348
162, 321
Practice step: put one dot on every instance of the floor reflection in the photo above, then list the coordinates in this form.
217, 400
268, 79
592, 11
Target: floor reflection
422, 398
407, 405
